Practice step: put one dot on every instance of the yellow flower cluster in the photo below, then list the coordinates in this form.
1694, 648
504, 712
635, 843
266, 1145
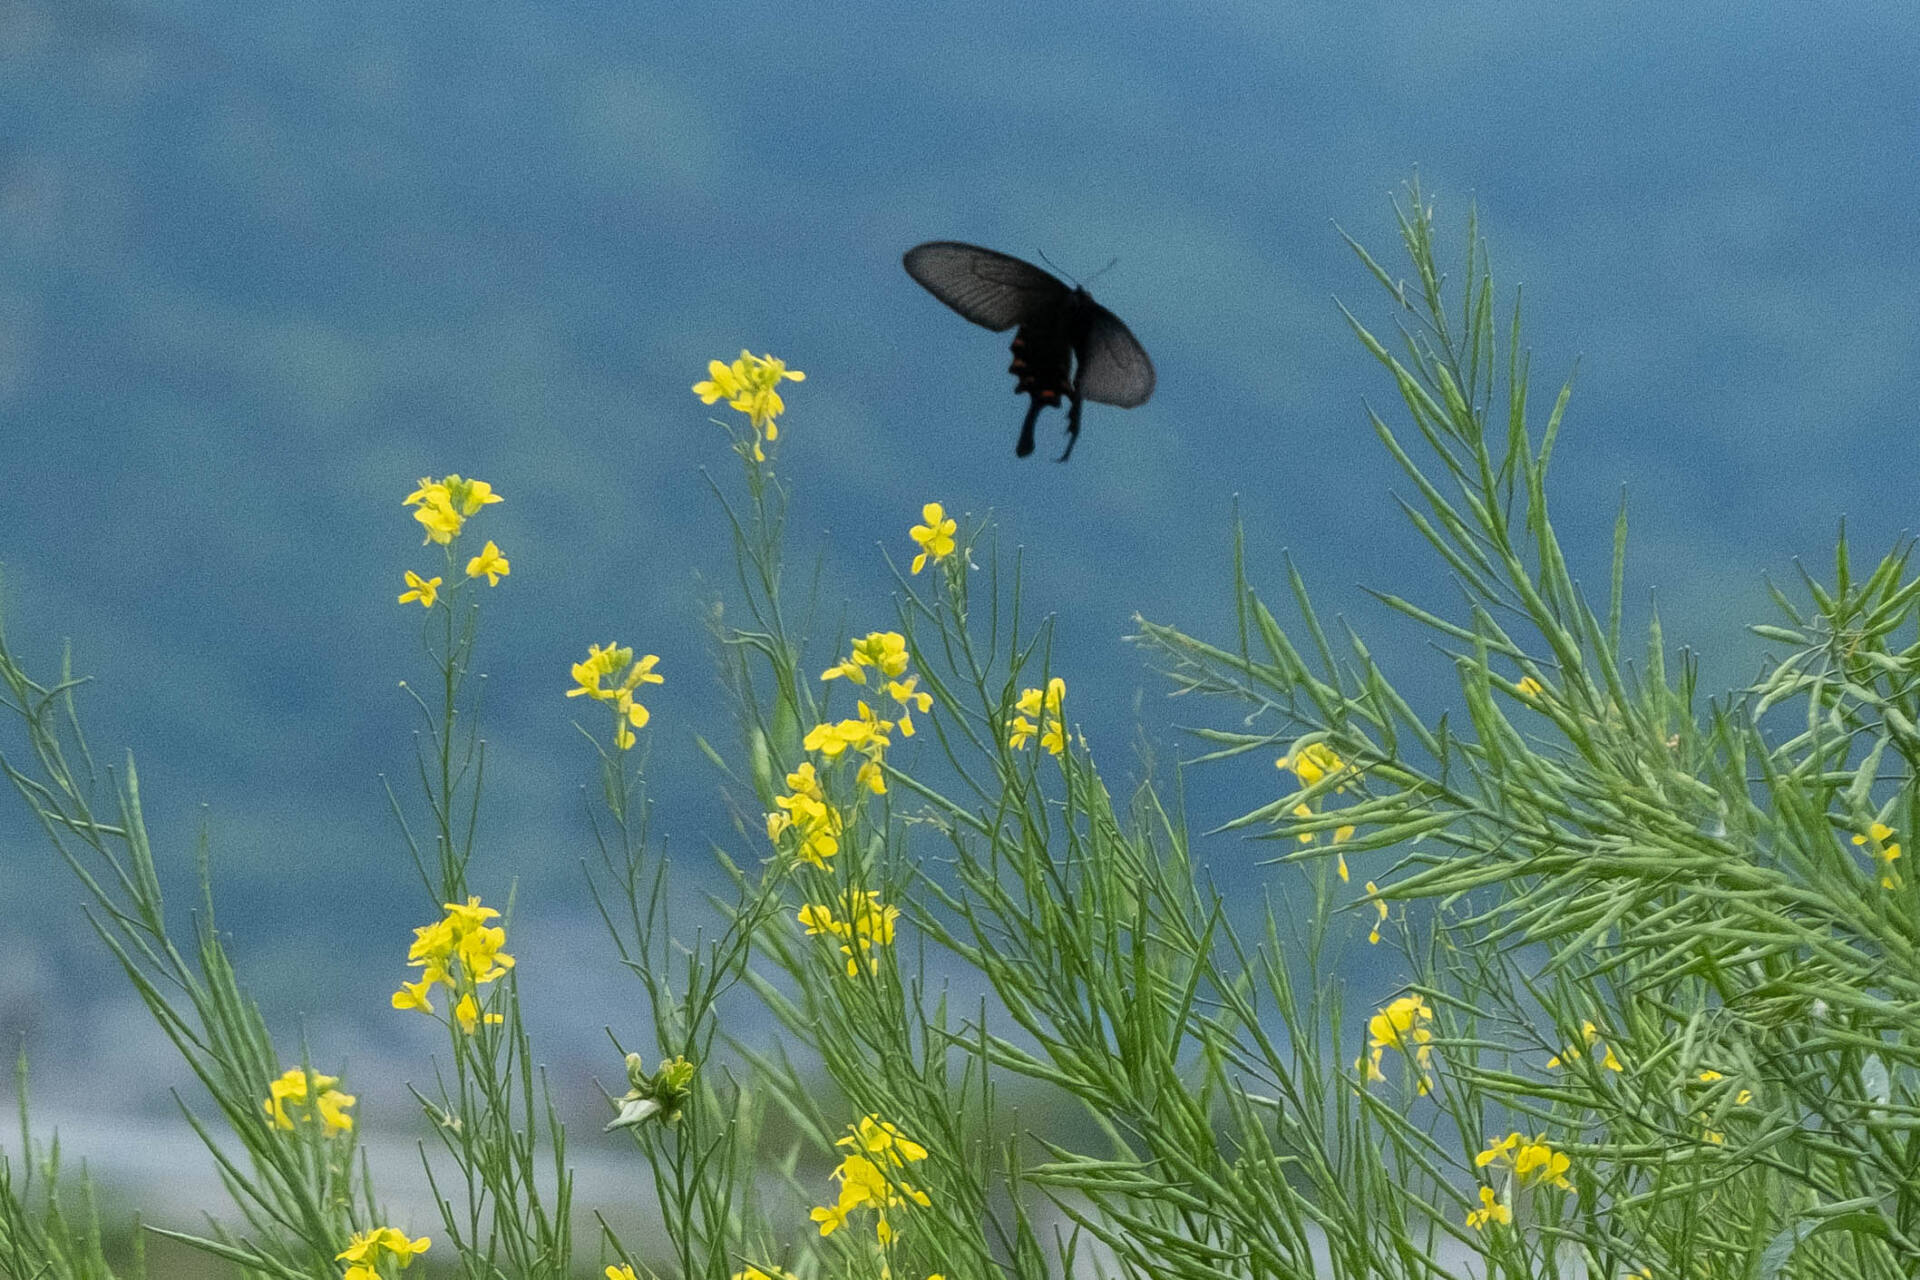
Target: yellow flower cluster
461, 953
363, 1253
935, 537
750, 385
1310, 764
309, 1097
884, 651
1533, 1163
863, 925
867, 734
616, 664
804, 811
1405, 1025
1045, 708
1886, 851
443, 507
869, 1177
1590, 1034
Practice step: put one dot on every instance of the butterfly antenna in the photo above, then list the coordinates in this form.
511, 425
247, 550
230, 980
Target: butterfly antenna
1102, 271
1057, 267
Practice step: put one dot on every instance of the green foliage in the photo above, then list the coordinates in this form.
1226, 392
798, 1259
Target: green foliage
43, 1232
1665, 946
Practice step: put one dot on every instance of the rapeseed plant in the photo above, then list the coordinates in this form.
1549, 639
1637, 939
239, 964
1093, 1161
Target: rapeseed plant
1668, 952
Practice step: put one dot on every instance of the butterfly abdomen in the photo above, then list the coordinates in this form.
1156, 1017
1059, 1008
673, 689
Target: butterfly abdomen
1042, 362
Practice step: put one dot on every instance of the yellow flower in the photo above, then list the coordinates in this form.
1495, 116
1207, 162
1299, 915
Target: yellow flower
935, 536
759, 397
441, 522
884, 650
471, 495
490, 563
806, 810
911, 699
292, 1089
468, 1014
864, 924
1491, 1210
460, 952
719, 385
1379, 905
1591, 1034
414, 995
1311, 763
600, 664
1019, 731
876, 1137
425, 590
1537, 1162
461, 496
1885, 852
865, 1182
442, 506
831, 1217
1528, 687
617, 663
430, 491
1533, 1161
1740, 1099
803, 781
642, 672
866, 734
1404, 1025
749, 385
1047, 706
1497, 1149
806, 813
364, 1251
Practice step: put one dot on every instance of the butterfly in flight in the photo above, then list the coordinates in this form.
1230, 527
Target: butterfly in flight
1066, 345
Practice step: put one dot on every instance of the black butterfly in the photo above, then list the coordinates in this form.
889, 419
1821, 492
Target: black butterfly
1056, 323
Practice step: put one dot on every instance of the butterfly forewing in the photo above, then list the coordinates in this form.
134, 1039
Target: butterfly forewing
991, 289
1114, 368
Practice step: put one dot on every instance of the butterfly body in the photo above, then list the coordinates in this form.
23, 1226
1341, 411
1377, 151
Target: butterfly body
1065, 345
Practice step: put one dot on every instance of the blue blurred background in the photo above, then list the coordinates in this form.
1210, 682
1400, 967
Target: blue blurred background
262, 266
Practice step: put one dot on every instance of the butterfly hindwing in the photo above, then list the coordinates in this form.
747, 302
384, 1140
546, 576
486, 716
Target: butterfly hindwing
1114, 367
993, 290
